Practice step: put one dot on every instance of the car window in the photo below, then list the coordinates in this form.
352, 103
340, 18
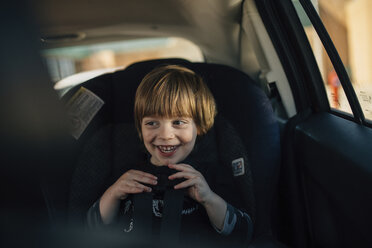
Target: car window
69, 66
347, 23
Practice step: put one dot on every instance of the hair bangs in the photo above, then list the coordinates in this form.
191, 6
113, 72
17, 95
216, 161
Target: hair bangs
170, 100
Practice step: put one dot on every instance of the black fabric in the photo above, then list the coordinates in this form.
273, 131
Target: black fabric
230, 147
171, 224
242, 103
142, 215
93, 174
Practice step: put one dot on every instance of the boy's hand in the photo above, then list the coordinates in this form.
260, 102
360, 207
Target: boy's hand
199, 191
198, 187
131, 182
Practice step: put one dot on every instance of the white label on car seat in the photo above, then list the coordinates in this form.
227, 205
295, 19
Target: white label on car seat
81, 108
238, 167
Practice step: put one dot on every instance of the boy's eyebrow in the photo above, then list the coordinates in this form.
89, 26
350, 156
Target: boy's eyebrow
181, 117
150, 117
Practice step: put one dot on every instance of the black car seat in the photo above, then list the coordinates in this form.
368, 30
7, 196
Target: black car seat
238, 99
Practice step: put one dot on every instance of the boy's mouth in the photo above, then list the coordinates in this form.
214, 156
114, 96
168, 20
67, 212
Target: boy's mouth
167, 151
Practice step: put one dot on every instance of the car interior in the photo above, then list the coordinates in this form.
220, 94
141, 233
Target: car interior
310, 163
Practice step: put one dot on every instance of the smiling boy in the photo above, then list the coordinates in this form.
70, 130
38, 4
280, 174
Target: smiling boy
168, 140
173, 106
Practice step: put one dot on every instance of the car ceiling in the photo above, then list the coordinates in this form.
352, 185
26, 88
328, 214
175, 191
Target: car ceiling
214, 25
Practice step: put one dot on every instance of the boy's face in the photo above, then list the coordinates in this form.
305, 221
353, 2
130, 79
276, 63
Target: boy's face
168, 140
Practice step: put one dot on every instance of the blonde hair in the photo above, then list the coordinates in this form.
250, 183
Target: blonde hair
175, 91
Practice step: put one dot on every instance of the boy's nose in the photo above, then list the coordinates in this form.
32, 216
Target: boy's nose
166, 132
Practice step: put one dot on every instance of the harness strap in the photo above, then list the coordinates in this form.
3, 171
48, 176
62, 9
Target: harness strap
142, 215
171, 222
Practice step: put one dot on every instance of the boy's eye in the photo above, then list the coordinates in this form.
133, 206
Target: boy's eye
150, 123
178, 122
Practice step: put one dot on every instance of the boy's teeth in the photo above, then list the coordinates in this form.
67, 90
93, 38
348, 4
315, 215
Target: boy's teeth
167, 148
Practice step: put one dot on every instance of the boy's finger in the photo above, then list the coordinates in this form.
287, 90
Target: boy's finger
181, 167
186, 184
183, 174
139, 190
134, 190
135, 185
144, 179
144, 174
145, 189
141, 186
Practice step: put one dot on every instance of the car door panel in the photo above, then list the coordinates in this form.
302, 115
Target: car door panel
334, 157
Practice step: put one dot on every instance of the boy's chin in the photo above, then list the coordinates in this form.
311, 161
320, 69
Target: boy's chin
166, 162
162, 162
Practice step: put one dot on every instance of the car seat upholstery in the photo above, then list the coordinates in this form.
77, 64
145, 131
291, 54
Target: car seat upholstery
238, 100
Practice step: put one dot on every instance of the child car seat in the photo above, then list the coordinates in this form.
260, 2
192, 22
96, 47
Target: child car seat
239, 101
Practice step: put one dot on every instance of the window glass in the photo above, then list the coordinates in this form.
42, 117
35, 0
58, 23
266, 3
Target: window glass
69, 66
348, 24
335, 93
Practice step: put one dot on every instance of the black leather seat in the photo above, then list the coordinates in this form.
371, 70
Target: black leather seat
238, 99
